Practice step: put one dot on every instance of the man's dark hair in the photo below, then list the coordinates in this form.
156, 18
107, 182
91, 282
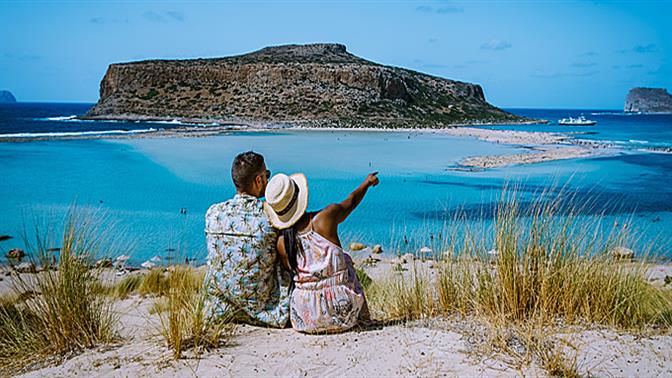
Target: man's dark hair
246, 167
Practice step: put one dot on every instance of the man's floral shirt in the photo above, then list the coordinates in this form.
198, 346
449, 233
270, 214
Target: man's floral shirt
244, 277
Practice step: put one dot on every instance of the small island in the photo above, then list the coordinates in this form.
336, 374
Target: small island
6, 97
648, 100
315, 85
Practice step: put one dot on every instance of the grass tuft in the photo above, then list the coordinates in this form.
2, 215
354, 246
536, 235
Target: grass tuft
127, 286
363, 277
154, 283
544, 263
184, 322
65, 311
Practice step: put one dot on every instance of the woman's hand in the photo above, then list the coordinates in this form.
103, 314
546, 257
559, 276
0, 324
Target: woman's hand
372, 179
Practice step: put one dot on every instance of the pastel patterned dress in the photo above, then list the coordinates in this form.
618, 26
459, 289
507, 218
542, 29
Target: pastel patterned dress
327, 296
244, 277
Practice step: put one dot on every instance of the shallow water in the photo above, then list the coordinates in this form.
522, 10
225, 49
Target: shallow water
140, 185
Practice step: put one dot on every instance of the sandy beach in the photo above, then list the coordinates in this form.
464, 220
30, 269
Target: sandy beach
536, 155
442, 346
414, 349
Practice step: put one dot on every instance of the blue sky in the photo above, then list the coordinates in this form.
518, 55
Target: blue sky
575, 54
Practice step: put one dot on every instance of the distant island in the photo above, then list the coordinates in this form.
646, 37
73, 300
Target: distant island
648, 100
6, 97
315, 85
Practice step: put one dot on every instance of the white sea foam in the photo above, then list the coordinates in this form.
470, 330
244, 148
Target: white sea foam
638, 141
59, 118
615, 113
76, 133
71, 118
176, 121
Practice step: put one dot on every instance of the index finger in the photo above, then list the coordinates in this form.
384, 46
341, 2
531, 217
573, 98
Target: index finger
374, 173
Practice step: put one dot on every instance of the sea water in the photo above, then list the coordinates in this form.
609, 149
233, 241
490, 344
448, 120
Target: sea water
138, 187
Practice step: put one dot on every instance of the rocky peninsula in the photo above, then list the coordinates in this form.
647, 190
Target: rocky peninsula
6, 97
648, 100
316, 85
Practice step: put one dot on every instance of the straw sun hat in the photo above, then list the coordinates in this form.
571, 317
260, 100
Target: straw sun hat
286, 199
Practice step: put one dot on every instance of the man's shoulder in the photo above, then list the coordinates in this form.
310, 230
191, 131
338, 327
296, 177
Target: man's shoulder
219, 206
241, 208
216, 209
235, 202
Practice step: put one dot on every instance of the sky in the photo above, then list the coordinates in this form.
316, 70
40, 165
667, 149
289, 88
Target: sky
525, 54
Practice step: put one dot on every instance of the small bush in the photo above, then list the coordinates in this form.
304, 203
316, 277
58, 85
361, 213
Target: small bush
150, 94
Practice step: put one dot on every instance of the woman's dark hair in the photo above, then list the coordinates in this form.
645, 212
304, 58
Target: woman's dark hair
291, 241
245, 168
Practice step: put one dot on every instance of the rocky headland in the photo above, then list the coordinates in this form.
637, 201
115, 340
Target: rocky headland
648, 100
6, 97
316, 85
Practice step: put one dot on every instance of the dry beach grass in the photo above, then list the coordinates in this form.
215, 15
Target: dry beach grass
60, 310
534, 292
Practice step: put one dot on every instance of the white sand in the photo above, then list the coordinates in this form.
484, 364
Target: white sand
606, 353
537, 155
433, 347
397, 350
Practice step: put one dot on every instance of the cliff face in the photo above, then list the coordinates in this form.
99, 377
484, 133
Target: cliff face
320, 84
6, 97
648, 100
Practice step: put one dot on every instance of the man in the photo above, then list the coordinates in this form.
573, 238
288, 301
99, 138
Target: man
244, 278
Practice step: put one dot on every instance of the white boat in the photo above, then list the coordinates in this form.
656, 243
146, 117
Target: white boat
581, 121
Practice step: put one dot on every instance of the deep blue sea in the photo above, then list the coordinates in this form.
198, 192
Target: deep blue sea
136, 187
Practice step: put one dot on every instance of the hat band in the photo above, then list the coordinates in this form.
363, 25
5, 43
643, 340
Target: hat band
291, 203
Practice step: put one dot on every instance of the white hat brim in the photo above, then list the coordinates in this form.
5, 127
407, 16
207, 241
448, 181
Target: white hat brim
296, 211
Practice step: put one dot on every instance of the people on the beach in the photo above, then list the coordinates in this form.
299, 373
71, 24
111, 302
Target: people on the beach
244, 279
327, 296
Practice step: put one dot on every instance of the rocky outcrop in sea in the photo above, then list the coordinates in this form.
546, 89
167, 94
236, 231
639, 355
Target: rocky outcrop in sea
648, 100
298, 85
6, 97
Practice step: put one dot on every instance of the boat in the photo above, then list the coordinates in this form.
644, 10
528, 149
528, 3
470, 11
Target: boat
581, 121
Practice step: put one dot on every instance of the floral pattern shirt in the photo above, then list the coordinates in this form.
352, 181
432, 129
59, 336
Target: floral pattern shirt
244, 277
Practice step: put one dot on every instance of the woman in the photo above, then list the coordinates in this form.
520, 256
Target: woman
327, 296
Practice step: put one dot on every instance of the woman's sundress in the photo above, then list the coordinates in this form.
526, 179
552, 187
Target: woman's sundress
327, 296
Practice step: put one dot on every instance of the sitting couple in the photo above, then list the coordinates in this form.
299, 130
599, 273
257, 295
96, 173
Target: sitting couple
272, 262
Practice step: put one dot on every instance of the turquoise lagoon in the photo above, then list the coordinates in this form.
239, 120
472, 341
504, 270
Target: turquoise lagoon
138, 186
